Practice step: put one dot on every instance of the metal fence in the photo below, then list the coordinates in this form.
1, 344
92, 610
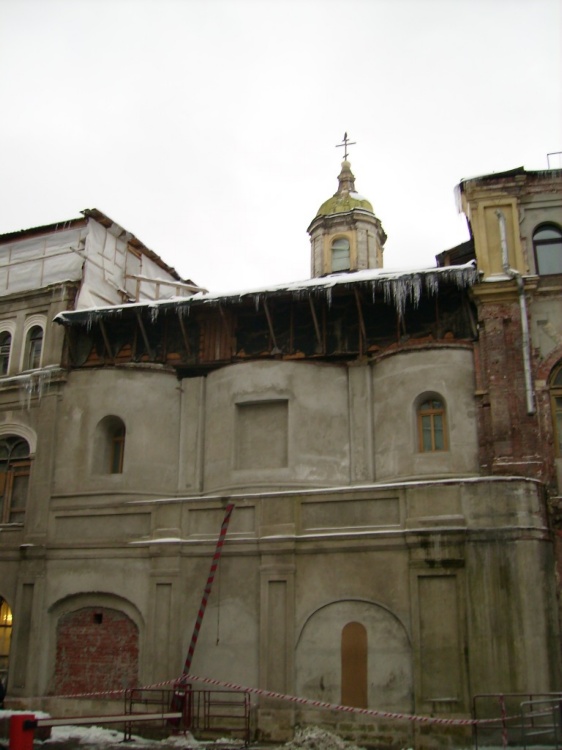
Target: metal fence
205, 713
518, 720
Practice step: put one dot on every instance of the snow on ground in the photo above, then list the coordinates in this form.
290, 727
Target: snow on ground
314, 738
98, 737
94, 736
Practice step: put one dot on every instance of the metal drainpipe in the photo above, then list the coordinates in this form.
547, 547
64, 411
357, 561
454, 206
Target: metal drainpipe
526, 343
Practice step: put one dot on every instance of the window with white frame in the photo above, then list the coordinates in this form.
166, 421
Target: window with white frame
547, 244
341, 258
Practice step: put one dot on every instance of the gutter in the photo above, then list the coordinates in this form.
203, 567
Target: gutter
526, 342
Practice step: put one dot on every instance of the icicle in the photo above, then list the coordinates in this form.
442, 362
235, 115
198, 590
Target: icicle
33, 384
431, 284
92, 317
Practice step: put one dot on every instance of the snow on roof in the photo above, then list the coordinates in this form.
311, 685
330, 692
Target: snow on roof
398, 287
305, 492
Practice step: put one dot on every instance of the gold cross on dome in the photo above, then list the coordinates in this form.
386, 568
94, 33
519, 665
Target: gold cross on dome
346, 142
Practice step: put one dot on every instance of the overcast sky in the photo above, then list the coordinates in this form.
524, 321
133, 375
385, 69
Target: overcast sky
207, 128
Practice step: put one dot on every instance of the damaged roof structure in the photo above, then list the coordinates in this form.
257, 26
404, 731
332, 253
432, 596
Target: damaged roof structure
351, 315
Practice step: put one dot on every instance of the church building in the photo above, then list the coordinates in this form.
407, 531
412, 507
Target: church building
391, 442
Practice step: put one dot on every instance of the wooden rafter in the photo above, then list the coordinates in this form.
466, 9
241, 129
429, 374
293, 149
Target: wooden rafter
316, 324
145, 336
106, 340
184, 333
270, 324
361, 320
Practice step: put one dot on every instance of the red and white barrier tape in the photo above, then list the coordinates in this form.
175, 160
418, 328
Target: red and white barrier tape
181, 682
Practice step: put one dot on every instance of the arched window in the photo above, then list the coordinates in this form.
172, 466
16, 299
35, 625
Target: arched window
5, 348
340, 255
354, 665
33, 348
432, 425
556, 407
547, 244
109, 446
5, 639
15, 466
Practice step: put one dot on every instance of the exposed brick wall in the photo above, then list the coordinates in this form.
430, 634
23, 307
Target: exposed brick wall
511, 441
97, 650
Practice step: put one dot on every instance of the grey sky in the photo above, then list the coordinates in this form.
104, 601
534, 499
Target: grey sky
208, 127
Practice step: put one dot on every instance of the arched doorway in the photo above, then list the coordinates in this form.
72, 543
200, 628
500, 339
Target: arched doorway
348, 633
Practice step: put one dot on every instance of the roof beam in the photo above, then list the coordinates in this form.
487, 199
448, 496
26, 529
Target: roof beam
270, 325
144, 336
316, 324
106, 340
363, 341
184, 333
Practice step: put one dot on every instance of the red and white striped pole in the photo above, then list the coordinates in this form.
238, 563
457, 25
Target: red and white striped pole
206, 593
179, 699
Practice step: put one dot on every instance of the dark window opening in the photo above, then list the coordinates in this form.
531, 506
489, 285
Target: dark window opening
109, 446
15, 466
5, 347
556, 407
33, 349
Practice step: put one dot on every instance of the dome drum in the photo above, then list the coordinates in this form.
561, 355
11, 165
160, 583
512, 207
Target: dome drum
346, 215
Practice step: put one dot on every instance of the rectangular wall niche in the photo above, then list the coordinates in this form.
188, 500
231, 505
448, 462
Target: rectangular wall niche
440, 641
262, 434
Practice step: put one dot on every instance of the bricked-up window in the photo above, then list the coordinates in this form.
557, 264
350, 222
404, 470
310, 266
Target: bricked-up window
432, 426
262, 430
5, 638
340, 255
97, 650
5, 348
547, 243
556, 406
15, 466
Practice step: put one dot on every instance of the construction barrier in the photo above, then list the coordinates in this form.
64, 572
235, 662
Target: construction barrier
180, 682
23, 726
21, 731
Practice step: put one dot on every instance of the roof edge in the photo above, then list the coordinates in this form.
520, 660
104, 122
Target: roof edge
44, 229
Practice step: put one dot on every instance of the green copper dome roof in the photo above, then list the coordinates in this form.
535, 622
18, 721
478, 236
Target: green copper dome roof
346, 198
